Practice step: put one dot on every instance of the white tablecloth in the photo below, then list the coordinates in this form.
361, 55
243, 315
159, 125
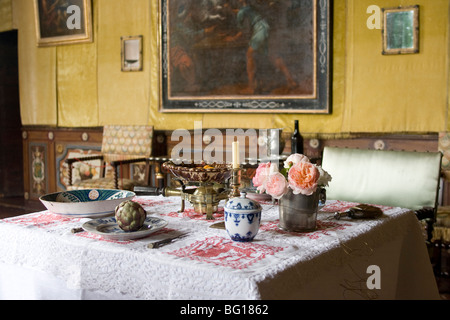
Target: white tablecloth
40, 258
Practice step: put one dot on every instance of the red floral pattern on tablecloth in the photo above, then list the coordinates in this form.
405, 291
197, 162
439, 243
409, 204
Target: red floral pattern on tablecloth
225, 252
44, 219
338, 206
341, 206
149, 202
322, 228
191, 214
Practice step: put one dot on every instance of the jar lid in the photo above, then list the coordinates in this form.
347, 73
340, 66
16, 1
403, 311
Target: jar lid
242, 204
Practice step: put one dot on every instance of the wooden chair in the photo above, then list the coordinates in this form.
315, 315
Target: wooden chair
121, 145
391, 178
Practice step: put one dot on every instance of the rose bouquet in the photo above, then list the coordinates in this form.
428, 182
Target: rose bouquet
299, 174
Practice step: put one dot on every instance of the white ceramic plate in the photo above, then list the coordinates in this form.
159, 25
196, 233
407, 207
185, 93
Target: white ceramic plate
89, 203
109, 229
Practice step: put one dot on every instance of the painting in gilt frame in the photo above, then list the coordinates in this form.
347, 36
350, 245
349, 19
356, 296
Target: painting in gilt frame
60, 22
401, 30
245, 56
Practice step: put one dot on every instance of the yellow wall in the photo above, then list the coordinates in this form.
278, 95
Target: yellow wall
82, 85
401, 92
6, 20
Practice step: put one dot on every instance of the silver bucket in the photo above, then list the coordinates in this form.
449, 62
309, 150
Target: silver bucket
298, 212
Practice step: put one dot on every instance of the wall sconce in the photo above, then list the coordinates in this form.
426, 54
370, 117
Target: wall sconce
132, 53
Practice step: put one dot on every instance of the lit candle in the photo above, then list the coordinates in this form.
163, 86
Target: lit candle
235, 154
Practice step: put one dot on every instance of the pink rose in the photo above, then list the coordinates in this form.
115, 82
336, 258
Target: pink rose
276, 185
294, 159
303, 178
262, 172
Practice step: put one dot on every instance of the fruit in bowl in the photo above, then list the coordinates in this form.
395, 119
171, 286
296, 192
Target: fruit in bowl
199, 172
130, 215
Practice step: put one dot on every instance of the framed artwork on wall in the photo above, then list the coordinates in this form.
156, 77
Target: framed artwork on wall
245, 56
60, 22
400, 31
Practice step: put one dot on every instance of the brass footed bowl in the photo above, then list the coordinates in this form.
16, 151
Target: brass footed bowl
202, 172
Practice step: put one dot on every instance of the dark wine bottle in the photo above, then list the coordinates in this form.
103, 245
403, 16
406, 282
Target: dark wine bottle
296, 140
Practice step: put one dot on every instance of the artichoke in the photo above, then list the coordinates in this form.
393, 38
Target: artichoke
130, 216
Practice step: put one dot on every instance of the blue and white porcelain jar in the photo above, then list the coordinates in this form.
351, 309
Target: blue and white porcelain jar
242, 218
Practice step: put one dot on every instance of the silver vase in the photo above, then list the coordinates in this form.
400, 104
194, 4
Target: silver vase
298, 212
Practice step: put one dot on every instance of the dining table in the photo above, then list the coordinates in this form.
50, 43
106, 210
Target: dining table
46, 256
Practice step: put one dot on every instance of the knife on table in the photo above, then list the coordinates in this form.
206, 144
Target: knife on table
160, 243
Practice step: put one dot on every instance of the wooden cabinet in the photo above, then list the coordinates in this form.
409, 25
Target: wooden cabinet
44, 152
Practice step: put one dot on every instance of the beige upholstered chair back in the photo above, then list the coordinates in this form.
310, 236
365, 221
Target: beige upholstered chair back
126, 142
392, 178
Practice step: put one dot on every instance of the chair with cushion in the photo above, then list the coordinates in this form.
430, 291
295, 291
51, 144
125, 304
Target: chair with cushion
121, 145
392, 178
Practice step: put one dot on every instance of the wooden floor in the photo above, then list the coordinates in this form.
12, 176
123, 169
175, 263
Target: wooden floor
11, 207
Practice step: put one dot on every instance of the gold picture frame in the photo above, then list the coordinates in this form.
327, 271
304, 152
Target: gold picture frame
214, 59
400, 31
61, 22
131, 53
